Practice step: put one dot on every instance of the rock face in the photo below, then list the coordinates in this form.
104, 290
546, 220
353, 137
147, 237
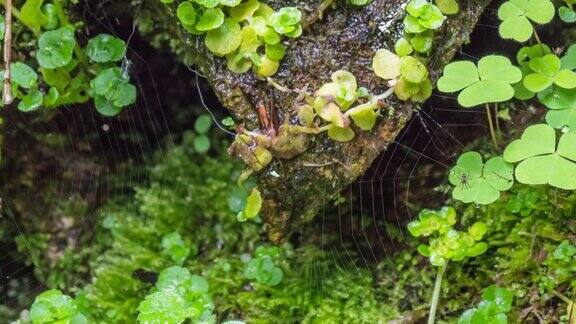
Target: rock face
345, 38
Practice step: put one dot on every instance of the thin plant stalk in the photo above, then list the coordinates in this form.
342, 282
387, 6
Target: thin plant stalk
497, 122
7, 97
436, 293
491, 125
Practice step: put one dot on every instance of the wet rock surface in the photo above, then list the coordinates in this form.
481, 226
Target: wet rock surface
295, 188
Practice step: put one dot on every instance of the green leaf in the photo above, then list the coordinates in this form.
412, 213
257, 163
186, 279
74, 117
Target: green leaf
55, 47
563, 119
341, 134
412, 69
31, 101
568, 15
402, 47
186, 13
202, 144
477, 182
52, 306
203, 124
173, 278
31, 14
501, 297
490, 82
547, 71
541, 160
286, 20
386, 64
105, 48
565, 251
210, 19
432, 221
174, 246
165, 306
253, 204
569, 58
23, 75
224, 39
448, 7
517, 14
557, 98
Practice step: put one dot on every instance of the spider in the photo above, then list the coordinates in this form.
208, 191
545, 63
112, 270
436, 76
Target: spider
464, 181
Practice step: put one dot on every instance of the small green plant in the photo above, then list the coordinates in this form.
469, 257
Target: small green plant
422, 16
547, 71
517, 17
178, 296
480, 183
495, 303
262, 267
202, 126
174, 245
446, 243
566, 12
248, 33
448, 7
71, 74
542, 159
52, 306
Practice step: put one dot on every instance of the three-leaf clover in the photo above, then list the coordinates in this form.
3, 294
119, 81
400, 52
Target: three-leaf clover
56, 47
516, 16
547, 70
489, 82
542, 160
477, 182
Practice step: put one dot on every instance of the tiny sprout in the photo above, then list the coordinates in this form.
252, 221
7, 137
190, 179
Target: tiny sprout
516, 16
52, 306
494, 305
422, 16
262, 266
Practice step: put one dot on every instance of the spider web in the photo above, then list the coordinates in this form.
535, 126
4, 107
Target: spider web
359, 233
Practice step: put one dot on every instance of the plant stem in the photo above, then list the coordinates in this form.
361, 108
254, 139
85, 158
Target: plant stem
8, 54
562, 296
436, 293
497, 121
491, 125
537, 37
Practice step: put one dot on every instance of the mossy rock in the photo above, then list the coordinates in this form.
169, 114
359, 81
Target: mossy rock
346, 38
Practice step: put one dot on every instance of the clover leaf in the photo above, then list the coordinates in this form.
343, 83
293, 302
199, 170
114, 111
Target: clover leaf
516, 16
55, 47
105, 48
567, 13
564, 119
421, 16
542, 160
569, 58
52, 306
489, 82
477, 182
547, 70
